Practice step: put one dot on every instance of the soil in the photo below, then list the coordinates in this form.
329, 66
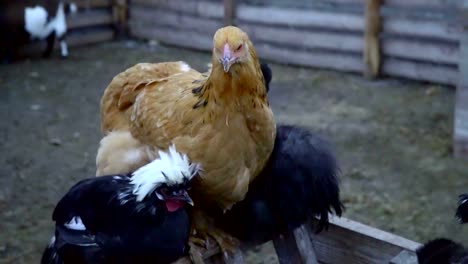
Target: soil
392, 138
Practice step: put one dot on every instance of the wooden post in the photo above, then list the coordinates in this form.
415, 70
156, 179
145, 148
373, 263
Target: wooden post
371, 39
229, 11
119, 14
460, 135
286, 249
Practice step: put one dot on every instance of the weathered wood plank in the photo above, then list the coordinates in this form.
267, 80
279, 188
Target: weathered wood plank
286, 249
437, 52
176, 37
200, 8
301, 38
93, 3
89, 19
320, 59
304, 244
420, 71
150, 17
229, 10
347, 241
425, 3
421, 28
371, 39
300, 18
460, 143
89, 36
405, 257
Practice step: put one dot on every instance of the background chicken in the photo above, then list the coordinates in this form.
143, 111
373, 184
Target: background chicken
443, 250
222, 120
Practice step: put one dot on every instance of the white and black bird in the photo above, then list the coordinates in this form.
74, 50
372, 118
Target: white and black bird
443, 250
136, 218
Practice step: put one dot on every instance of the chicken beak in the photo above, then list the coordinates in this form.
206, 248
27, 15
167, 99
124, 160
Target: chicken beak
226, 63
186, 198
227, 59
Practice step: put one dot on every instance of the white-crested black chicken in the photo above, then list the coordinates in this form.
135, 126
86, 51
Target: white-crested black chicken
135, 218
446, 251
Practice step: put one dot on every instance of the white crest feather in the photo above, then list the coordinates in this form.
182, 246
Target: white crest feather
171, 168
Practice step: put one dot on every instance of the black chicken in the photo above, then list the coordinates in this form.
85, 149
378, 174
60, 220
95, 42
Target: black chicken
135, 218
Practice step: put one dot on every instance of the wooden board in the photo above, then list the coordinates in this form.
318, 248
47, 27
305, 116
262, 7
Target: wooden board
436, 52
420, 71
372, 54
460, 137
151, 17
89, 36
302, 38
421, 28
89, 18
176, 37
300, 18
93, 3
200, 8
425, 3
321, 59
347, 241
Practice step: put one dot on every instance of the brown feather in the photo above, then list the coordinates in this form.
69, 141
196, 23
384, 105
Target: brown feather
221, 120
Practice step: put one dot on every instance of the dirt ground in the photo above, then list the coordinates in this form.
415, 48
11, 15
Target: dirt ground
392, 138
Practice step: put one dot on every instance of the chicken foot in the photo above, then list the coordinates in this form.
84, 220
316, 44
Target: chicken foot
204, 231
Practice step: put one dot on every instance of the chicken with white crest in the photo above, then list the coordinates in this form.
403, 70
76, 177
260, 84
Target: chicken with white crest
135, 218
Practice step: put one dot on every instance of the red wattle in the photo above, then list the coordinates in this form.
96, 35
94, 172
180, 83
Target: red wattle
173, 205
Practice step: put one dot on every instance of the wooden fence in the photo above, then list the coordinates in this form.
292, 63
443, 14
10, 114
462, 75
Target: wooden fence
418, 39
94, 22
345, 241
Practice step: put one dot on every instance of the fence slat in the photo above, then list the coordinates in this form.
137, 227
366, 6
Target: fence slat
420, 71
322, 59
89, 36
437, 52
199, 41
229, 10
304, 244
300, 18
151, 17
92, 3
89, 18
199, 8
347, 241
421, 28
460, 143
371, 39
286, 249
301, 38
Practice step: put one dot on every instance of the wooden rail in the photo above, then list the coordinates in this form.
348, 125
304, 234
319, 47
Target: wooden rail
345, 241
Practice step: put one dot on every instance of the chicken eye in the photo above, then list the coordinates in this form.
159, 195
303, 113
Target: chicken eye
239, 48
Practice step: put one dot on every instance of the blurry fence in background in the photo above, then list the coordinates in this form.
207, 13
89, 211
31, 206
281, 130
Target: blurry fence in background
418, 39
92, 24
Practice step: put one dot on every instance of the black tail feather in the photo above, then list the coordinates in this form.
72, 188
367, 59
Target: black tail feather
267, 75
442, 251
462, 210
299, 182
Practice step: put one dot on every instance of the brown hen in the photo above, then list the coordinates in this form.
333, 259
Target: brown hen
221, 120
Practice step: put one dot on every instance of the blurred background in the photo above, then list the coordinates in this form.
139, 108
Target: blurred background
386, 83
